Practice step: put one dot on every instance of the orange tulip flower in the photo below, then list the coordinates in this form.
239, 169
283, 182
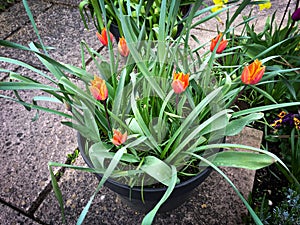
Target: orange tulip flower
118, 137
222, 45
180, 82
98, 89
253, 73
103, 36
122, 47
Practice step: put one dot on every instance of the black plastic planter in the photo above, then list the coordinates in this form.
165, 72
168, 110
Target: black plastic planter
133, 196
185, 10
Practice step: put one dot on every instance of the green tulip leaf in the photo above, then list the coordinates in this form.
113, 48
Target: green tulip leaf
157, 169
254, 49
134, 126
90, 123
238, 159
236, 126
148, 219
98, 153
105, 70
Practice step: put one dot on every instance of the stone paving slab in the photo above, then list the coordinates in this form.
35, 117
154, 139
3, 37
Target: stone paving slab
24, 143
11, 21
213, 202
12, 217
27, 147
204, 37
60, 27
15, 17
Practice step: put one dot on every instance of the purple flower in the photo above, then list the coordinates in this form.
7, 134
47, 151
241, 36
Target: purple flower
296, 15
288, 119
285, 120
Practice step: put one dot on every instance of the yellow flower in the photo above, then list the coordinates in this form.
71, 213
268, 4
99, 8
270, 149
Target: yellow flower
265, 6
282, 114
216, 8
297, 123
276, 123
218, 5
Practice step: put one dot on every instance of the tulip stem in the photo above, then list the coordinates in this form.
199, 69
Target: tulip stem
177, 99
106, 113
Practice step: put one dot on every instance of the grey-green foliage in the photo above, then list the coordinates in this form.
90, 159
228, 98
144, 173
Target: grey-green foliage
288, 211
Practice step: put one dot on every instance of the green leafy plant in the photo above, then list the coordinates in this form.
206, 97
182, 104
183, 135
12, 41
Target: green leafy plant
284, 130
157, 118
5, 3
288, 211
285, 212
277, 45
281, 45
280, 82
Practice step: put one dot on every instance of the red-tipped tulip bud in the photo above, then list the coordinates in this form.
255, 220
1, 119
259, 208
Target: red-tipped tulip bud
296, 15
222, 45
98, 89
103, 36
180, 82
118, 137
253, 73
122, 47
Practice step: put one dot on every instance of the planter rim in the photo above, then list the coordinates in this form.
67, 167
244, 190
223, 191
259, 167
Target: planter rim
203, 173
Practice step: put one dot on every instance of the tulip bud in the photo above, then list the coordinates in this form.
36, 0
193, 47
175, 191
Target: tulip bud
122, 47
118, 137
103, 36
98, 89
67, 106
180, 82
222, 45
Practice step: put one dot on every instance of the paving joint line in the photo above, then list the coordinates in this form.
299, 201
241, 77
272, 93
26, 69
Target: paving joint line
44, 193
205, 29
89, 60
13, 32
27, 22
24, 213
7, 75
41, 68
